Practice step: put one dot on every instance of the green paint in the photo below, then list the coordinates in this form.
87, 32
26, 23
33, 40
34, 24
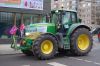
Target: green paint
27, 45
51, 29
73, 27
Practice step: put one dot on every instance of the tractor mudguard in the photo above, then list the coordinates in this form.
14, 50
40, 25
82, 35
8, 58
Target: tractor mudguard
76, 26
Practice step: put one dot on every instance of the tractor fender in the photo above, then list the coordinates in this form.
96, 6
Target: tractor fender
51, 35
76, 26
54, 35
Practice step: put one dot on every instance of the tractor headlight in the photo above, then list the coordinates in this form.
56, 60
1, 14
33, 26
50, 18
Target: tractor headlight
27, 34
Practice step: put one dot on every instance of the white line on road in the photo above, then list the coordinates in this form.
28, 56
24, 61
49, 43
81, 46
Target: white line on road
25, 65
81, 59
96, 63
86, 61
56, 64
77, 58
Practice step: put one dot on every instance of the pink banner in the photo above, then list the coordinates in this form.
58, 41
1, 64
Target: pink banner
13, 30
22, 27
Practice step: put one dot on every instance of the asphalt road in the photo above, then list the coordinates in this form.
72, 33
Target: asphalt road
93, 59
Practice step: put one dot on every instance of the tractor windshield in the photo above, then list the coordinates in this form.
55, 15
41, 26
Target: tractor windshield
60, 17
65, 17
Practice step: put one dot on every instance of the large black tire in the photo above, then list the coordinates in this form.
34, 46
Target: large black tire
27, 52
74, 42
37, 47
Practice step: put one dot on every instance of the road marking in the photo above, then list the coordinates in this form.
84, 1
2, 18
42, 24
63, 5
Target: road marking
56, 64
86, 61
26, 65
78, 59
96, 63
82, 60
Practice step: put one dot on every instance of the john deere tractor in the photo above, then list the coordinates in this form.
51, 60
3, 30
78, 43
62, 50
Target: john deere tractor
61, 30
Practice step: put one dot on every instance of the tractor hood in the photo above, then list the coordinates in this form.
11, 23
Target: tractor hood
40, 27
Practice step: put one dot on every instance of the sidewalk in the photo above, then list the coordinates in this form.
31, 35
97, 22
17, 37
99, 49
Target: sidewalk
6, 49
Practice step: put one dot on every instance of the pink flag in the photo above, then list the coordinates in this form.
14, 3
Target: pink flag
13, 30
22, 27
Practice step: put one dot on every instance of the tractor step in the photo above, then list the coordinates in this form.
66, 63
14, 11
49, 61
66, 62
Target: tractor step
66, 43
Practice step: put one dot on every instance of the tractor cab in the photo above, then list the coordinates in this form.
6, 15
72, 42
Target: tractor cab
63, 19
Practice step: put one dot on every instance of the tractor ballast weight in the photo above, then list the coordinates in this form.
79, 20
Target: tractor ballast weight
62, 32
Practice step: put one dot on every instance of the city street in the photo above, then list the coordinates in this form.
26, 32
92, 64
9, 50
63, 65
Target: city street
93, 59
43, 28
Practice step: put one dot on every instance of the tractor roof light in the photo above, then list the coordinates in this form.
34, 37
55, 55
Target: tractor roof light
56, 11
27, 34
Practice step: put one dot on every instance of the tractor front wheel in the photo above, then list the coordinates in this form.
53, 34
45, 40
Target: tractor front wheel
45, 47
81, 42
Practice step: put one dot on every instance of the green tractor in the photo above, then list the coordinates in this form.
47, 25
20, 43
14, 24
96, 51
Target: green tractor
60, 31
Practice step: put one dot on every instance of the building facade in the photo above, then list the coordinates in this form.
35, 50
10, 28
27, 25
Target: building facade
7, 12
89, 11
64, 4
98, 12
85, 11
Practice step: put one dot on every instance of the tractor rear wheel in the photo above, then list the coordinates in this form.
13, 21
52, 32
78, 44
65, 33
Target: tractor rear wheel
45, 47
81, 42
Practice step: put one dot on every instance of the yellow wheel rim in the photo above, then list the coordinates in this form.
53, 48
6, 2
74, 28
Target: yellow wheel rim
46, 47
83, 42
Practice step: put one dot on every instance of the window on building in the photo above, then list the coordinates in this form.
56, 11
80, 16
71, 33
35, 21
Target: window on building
6, 23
